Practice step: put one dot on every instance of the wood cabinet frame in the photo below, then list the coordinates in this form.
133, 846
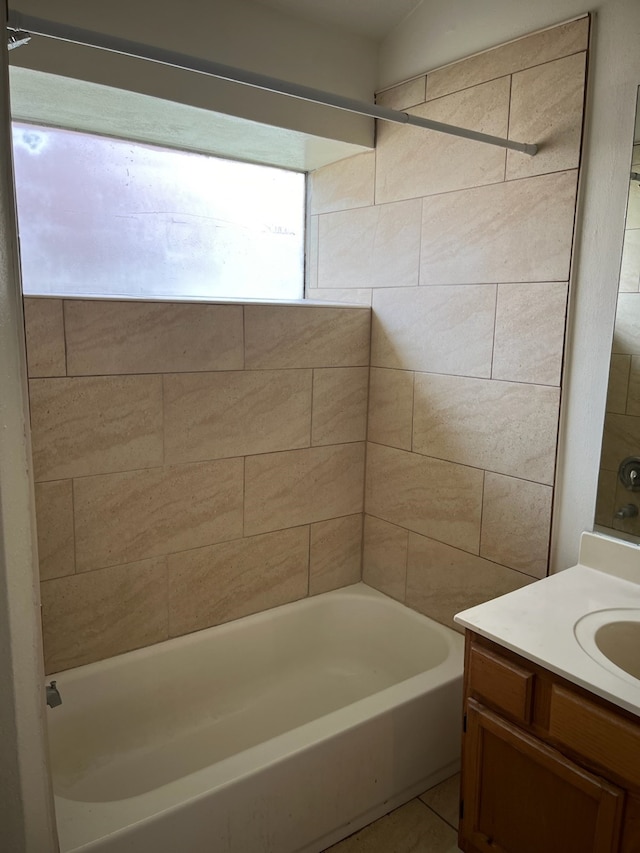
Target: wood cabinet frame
545, 760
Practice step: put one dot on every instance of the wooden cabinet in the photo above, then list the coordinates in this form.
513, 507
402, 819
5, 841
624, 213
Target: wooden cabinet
546, 766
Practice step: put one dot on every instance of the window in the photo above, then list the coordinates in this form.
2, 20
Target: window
107, 217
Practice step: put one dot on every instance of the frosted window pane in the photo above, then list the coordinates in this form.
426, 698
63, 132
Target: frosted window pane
107, 217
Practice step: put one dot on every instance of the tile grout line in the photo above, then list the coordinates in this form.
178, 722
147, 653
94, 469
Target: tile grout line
311, 404
406, 567
73, 524
506, 150
164, 420
482, 494
461, 464
482, 82
309, 526
431, 538
413, 408
64, 337
493, 335
244, 496
366, 437
436, 813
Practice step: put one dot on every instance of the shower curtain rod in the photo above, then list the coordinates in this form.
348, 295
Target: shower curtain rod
28, 25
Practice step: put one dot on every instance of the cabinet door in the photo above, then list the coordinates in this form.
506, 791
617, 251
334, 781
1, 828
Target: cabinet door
522, 796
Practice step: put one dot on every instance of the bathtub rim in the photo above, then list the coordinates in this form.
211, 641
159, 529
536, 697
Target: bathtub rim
357, 590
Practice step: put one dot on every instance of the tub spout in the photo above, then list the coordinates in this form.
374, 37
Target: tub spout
53, 695
627, 511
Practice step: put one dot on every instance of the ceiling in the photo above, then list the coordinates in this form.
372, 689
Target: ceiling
370, 18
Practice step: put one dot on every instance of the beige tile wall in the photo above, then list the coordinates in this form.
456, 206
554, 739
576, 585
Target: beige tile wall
464, 253
621, 435
194, 463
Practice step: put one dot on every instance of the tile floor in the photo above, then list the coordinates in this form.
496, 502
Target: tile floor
428, 824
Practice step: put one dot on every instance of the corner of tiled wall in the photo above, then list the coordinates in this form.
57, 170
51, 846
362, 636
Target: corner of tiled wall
194, 463
463, 250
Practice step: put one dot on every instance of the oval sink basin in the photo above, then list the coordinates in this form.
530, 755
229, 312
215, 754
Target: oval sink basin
612, 639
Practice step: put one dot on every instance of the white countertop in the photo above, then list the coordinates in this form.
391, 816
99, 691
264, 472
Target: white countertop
538, 622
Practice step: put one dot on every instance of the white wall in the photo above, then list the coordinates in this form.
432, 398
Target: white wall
239, 33
26, 817
438, 33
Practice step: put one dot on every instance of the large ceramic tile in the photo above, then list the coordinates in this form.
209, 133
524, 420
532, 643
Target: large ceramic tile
546, 109
405, 95
429, 496
54, 521
44, 329
439, 329
213, 415
391, 407
626, 331
384, 556
442, 581
152, 337
343, 185
505, 427
95, 425
413, 162
370, 247
529, 335
99, 614
623, 384
339, 405
413, 828
630, 269
516, 521
517, 55
515, 231
223, 582
302, 486
444, 800
336, 553
620, 438
124, 517
355, 296
279, 336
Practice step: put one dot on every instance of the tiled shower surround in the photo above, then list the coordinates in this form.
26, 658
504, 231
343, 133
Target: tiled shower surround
463, 251
198, 462
193, 463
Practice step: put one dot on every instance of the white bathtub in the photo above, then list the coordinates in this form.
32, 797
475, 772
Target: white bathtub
280, 732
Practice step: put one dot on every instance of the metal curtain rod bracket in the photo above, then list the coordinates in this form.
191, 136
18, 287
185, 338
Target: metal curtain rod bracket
50, 29
635, 176
16, 38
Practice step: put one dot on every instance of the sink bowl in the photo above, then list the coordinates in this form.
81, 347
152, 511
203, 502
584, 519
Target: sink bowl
612, 639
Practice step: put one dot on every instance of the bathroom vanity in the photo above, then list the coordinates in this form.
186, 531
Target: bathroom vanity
551, 742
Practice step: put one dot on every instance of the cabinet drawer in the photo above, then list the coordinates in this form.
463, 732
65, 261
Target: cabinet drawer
595, 733
501, 683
